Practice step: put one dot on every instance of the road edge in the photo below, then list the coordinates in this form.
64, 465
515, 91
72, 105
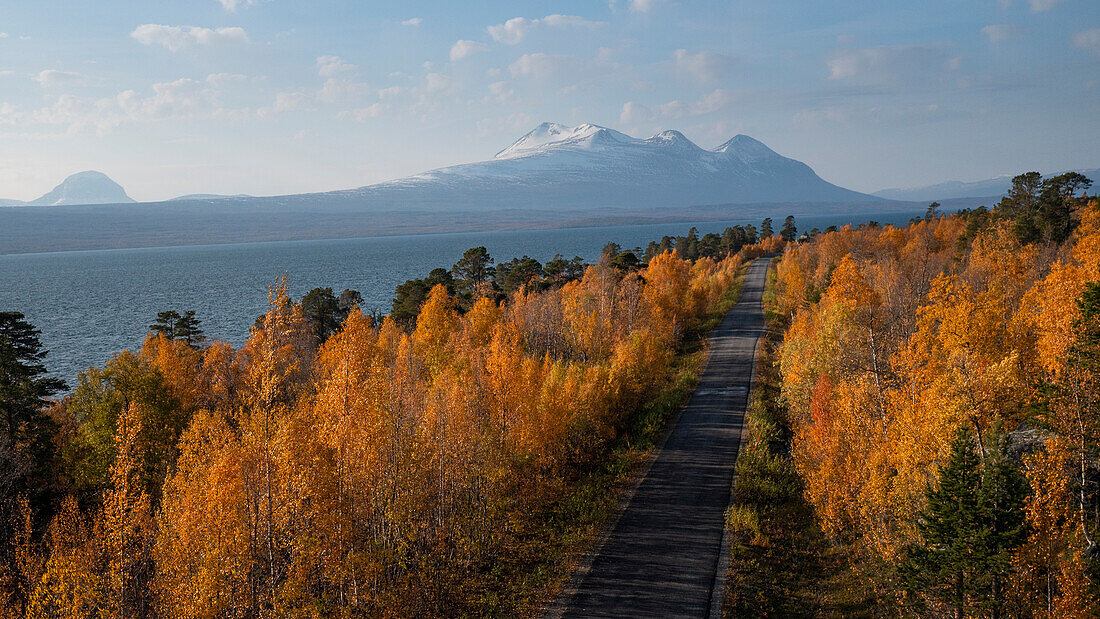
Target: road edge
718, 587
558, 607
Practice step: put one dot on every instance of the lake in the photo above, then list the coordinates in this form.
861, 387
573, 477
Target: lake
90, 305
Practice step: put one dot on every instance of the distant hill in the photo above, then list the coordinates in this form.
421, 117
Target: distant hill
957, 189
209, 196
89, 187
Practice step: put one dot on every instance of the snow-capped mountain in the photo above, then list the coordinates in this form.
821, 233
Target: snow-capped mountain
81, 188
588, 166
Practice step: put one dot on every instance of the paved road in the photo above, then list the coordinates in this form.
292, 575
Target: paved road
661, 557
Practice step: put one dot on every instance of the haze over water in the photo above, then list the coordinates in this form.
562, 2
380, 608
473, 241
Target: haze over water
90, 305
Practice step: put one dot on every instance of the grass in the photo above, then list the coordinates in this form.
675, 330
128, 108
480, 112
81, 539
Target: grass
548, 544
781, 564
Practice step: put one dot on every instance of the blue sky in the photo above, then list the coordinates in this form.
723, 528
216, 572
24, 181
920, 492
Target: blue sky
279, 96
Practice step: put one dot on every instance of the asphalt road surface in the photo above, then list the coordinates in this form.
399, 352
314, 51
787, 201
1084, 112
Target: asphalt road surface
661, 557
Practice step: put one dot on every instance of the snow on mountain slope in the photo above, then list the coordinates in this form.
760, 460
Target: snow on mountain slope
84, 188
552, 168
588, 166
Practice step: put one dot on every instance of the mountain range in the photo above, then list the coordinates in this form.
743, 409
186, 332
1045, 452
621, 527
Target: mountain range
553, 177
993, 187
588, 166
582, 167
552, 167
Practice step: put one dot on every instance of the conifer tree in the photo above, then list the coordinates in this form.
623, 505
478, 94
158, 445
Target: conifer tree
26, 431
789, 231
972, 522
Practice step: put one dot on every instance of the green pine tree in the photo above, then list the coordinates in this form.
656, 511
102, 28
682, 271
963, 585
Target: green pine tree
26, 431
969, 527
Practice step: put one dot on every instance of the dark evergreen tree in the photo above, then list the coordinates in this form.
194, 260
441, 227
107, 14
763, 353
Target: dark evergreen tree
187, 329
789, 231
932, 212
175, 326
626, 261
411, 295
323, 312
348, 300
766, 228
26, 431
165, 324
1043, 210
473, 269
970, 525
610, 250
518, 272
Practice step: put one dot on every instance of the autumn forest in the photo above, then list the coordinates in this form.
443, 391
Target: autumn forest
431, 462
926, 414
936, 402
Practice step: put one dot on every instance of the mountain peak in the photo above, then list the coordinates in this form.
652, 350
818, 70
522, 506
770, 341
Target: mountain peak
550, 135
673, 138
88, 187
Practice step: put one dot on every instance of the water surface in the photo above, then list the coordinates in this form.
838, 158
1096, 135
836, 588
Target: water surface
92, 304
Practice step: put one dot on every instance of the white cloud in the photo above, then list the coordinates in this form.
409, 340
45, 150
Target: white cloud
284, 102
501, 92
222, 80
893, 65
885, 114
233, 5
180, 99
336, 90
330, 66
716, 101
1038, 6
438, 82
10, 114
712, 102
824, 116
511, 31
3, 35
52, 78
508, 124
998, 32
703, 66
634, 112
570, 21
391, 91
1088, 40
339, 85
514, 30
176, 38
371, 111
412, 22
643, 6
540, 65
464, 48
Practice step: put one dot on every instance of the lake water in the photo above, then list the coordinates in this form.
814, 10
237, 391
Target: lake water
92, 304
